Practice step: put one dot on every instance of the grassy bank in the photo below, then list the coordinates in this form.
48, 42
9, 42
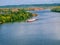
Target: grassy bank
56, 9
14, 15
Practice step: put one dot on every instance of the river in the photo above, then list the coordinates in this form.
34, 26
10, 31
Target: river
45, 31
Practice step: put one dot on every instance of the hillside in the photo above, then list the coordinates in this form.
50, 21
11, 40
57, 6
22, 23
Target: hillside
29, 5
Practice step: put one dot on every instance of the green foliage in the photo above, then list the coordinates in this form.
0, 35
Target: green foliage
14, 16
56, 9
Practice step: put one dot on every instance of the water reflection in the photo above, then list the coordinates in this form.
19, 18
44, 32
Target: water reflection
45, 31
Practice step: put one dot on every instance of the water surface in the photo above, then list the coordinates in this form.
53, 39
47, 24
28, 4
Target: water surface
45, 31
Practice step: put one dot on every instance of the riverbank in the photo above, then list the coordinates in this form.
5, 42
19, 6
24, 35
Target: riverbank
34, 9
14, 15
56, 9
16, 9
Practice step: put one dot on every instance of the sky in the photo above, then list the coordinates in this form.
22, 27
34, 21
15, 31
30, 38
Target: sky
19, 2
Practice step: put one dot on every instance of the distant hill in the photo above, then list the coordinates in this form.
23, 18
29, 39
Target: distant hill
29, 5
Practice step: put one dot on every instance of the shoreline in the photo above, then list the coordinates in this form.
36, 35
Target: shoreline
14, 15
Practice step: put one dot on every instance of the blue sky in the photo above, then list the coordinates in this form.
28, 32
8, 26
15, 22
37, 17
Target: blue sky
18, 2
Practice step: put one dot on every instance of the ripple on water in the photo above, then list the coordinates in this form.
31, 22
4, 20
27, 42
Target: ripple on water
45, 31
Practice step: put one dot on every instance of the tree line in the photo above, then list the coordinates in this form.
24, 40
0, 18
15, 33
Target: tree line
14, 15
